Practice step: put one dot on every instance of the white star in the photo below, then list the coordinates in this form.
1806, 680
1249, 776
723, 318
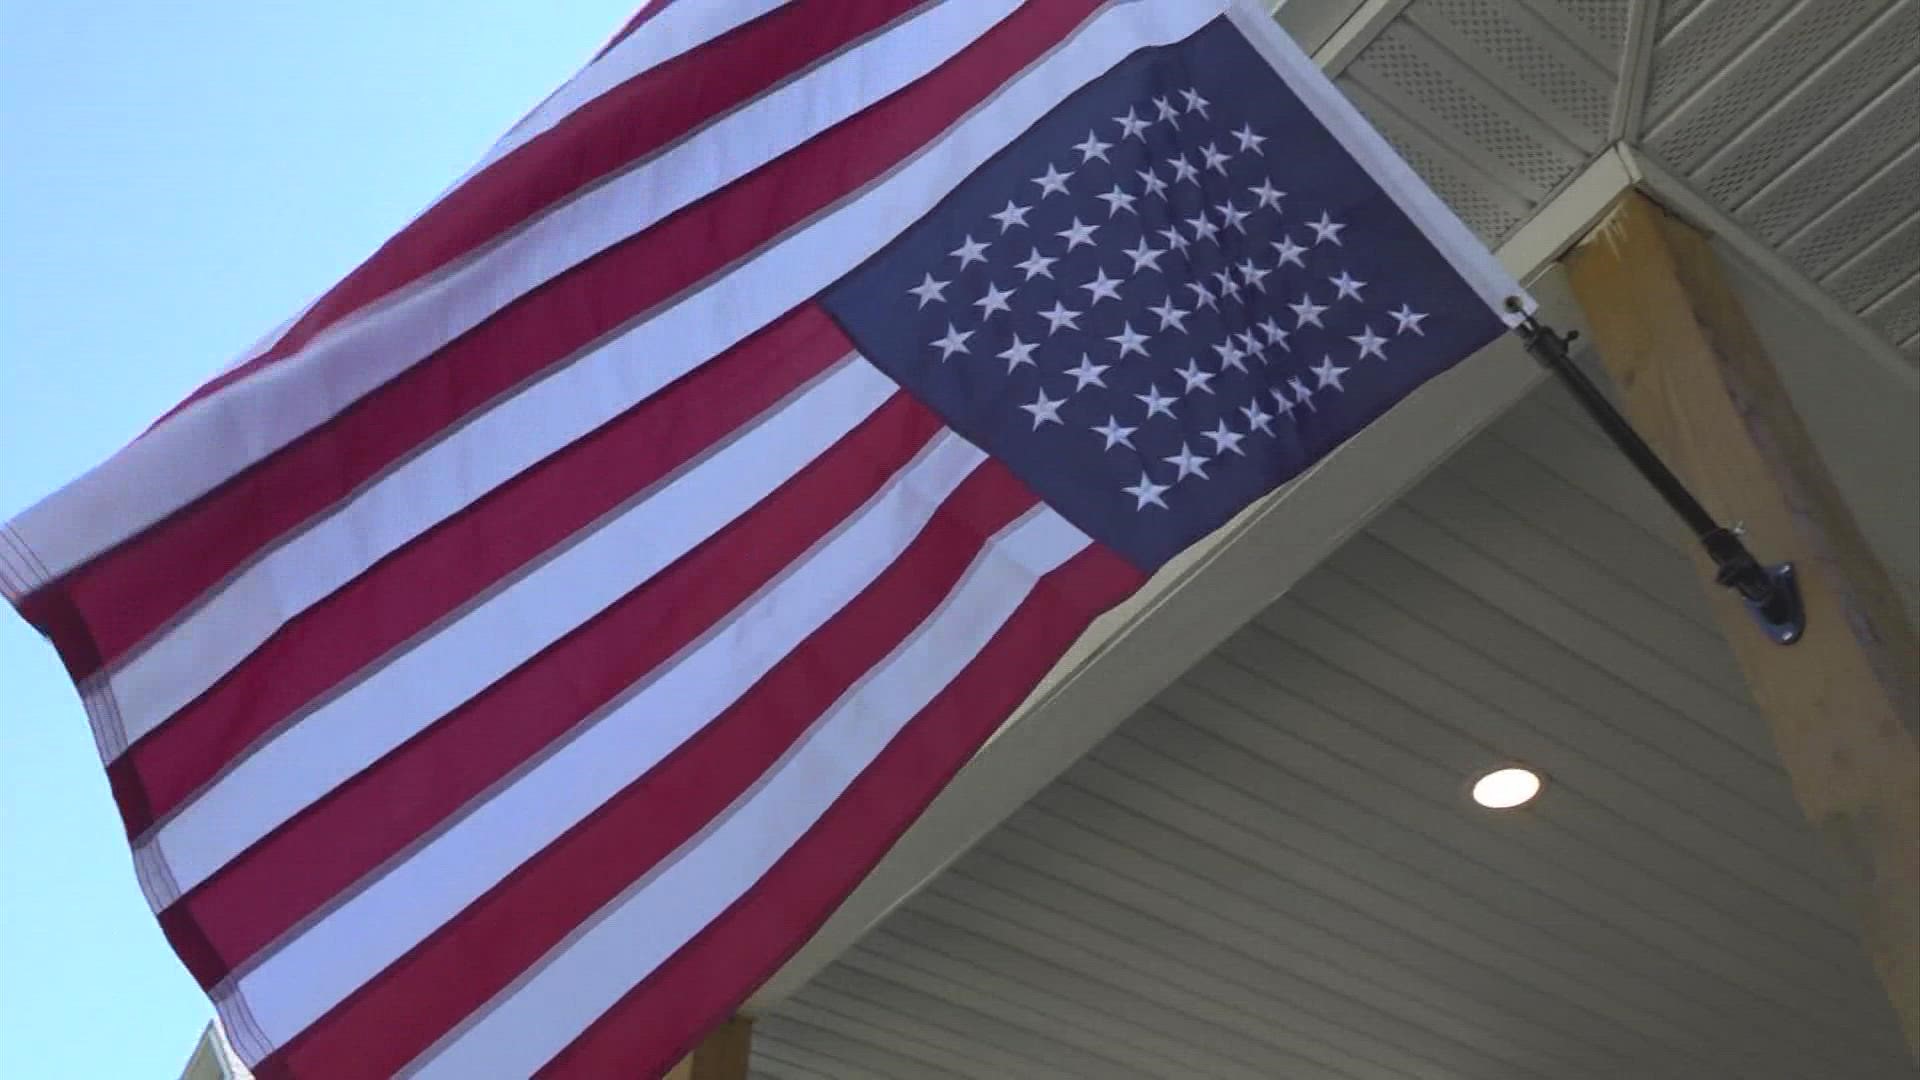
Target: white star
1156, 403
1117, 201
1252, 274
1102, 287
1302, 395
1289, 252
1155, 185
1369, 343
1229, 288
1170, 315
1166, 111
1268, 195
1129, 340
1275, 335
1018, 353
1183, 169
1087, 374
1202, 296
1258, 419
1014, 214
970, 251
1326, 229
1212, 158
1250, 345
1231, 216
994, 300
1306, 311
1052, 180
1203, 228
1115, 434
1131, 126
1060, 316
928, 290
1093, 148
1146, 493
1281, 403
1189, 464
1077, 234
1175, 241
1408, 319
1036, 265
1196, 378
1230, 356
1224, 439
1329, 374
1144, 255
1195, 103
1347, 286
1044, 409
954, 342
1249, 142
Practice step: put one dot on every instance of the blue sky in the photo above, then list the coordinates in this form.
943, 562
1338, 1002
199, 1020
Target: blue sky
175, 179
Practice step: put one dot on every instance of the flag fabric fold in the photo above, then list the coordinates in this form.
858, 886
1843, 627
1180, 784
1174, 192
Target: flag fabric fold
510, 662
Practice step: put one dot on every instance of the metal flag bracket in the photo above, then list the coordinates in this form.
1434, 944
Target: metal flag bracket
1771, 593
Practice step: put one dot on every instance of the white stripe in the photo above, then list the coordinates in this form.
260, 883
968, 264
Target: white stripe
215, 438
493, 447
355, 729
297, 983
635, 934
17, 576
679, 29
541, 419
1470, 258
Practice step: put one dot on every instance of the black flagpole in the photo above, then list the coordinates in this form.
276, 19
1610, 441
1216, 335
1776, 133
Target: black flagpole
1771, 594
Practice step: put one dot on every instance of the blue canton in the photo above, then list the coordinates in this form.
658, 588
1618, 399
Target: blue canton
1163, 300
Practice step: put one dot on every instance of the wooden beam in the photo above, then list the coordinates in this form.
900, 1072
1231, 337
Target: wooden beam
1695, 380
723, 1055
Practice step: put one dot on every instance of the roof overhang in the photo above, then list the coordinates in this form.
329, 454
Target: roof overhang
1200, 599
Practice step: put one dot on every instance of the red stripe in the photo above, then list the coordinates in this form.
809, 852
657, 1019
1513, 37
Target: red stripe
660, 1020
485, 947
440, 570
333, 843
126, 594
639, 117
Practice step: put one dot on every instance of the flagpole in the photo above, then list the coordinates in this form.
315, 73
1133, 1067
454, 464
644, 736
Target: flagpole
1771, 594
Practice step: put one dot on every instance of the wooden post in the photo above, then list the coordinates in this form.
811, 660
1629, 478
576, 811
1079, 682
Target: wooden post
1696, 383
724, 1054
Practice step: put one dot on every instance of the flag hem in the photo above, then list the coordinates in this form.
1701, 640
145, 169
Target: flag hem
1442, 227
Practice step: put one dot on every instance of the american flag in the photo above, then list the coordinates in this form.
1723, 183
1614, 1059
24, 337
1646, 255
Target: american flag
509, 663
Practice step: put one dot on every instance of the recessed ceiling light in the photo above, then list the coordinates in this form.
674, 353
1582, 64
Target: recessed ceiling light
1504, 789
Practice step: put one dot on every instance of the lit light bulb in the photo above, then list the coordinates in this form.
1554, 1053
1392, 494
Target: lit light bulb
1504, 789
